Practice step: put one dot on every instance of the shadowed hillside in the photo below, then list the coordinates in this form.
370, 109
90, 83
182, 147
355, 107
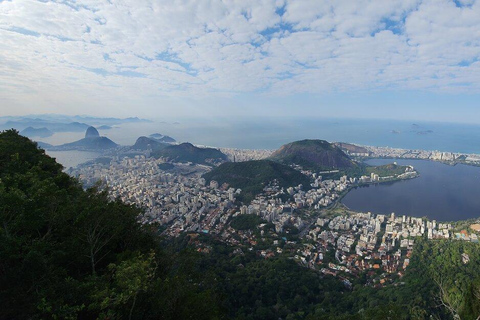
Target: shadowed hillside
313, 154
253, 176
187, 152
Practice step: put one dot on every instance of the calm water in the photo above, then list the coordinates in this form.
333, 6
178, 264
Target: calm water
442, 192
271, 133
72, 158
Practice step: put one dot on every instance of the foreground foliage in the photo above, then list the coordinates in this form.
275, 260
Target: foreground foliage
69, 253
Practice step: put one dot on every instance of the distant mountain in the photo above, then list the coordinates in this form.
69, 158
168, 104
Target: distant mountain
67, 118
36, 132
63, 123
252, 176
187, 152
70, 127
92, 141
313, 154
163, 138
104, 127
52, 126
352, 149
92, 133
145, 143
167, 139
44, 145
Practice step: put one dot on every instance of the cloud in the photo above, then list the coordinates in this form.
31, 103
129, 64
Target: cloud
118, 52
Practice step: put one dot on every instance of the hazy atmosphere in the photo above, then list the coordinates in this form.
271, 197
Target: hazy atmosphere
402, 59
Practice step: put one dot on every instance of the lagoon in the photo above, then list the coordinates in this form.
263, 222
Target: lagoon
441, 192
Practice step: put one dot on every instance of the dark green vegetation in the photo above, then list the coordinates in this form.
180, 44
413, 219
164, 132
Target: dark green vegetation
362, 169
166, 166
439, 275
246, 222
313, 155
253, 176
186, 152
278, 288
352, 149
144, 143
66, 253
250, 287
437, 285
385, 170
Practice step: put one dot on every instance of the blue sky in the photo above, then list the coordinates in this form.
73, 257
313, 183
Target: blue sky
403, 59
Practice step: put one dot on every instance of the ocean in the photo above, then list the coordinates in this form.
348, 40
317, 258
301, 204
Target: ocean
271, 133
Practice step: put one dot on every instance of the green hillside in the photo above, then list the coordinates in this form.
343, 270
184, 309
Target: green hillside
186, 152
386, 169
66, 253
313, 154
145, 143
253, 176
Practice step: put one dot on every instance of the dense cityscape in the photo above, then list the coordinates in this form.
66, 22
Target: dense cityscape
327, 236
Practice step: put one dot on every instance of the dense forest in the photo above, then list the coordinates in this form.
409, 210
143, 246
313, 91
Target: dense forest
67, 253
317, 155
187, 152
70, 253
250, 176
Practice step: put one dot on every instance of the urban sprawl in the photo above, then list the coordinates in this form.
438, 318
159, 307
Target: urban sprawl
343, 244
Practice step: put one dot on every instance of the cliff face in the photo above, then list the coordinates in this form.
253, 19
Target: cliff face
92, 133
92, 141
313, 154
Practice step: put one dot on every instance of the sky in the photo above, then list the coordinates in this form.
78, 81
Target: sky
395, 59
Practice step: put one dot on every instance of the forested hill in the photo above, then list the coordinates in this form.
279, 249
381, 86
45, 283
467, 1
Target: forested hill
145, 143
66, 253
187, 152
313, 154
253, 176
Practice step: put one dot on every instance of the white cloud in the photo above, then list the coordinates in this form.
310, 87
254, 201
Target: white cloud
118, 52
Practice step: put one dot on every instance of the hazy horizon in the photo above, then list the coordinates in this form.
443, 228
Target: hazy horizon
412, 60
